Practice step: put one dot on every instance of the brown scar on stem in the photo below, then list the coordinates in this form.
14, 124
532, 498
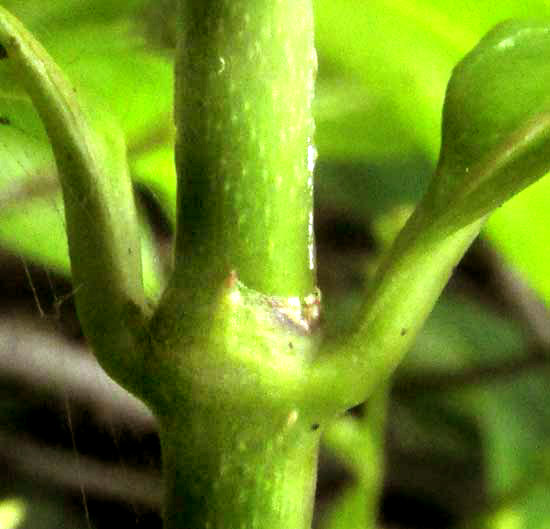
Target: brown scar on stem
3, 52
302, 316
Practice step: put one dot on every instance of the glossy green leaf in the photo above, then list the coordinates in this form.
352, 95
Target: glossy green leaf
353, 125
129, 80
45, 242
61, 13
54, 22
107, 58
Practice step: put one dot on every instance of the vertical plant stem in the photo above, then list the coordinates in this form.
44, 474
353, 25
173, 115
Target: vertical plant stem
245, 74
239, 439
244, 87
230, 477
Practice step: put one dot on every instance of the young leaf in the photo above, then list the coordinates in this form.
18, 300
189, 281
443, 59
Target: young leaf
496, 123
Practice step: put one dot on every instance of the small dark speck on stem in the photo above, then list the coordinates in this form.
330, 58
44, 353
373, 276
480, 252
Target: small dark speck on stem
314, 427
403, 332
3, 52
5, 120
290, 345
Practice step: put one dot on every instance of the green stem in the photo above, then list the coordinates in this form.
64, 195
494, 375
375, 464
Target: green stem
239, 433
244, 155
233, 472
100, 213
402, 296
244, 88
359, 443
232, 333
374, 428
